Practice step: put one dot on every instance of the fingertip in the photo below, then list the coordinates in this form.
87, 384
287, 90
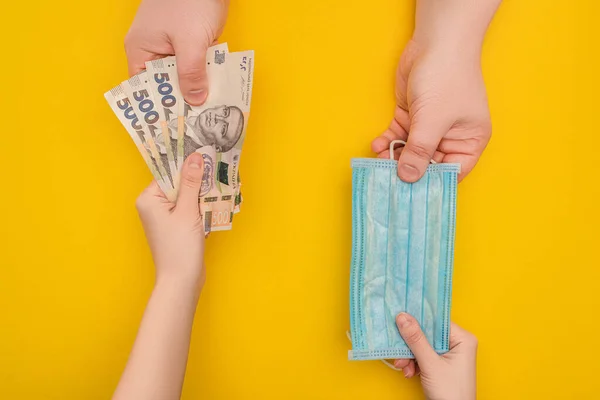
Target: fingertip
467, 163
415, 339
191, 173
411, 168
191, 68
190, 183
196, 97
401, 363
384, 154
438, 156
409, 370
403, 320
407, 172
379, 144
134, 69
195, 161
417, 155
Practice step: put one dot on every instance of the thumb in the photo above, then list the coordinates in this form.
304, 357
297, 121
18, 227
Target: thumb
423, 140
191, 180
415, 340
191, 69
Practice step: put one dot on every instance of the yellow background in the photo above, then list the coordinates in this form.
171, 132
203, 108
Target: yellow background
76, 270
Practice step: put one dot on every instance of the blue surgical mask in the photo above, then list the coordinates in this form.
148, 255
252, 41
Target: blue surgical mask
402, 256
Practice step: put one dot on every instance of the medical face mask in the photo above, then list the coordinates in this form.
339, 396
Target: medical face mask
402, 256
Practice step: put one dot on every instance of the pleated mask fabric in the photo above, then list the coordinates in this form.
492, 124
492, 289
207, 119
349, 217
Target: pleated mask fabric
402, 256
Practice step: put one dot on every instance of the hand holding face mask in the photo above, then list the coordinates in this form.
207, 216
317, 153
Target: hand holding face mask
446, 377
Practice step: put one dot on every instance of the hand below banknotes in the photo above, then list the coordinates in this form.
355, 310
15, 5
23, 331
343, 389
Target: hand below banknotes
175, 232
166, 129
185, 28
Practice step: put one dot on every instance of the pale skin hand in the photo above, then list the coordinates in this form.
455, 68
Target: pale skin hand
442, 110
175, 233
451, 376
185, 28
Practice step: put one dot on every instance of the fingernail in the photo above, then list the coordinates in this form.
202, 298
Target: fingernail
405, 373
196, 96
408, 172
402, 320
195, 161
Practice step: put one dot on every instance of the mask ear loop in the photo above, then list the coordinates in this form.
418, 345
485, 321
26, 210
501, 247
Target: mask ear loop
389, 364
403, 143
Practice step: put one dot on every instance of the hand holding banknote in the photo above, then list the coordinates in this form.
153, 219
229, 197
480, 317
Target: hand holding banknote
167, 130
175, 231
185, 28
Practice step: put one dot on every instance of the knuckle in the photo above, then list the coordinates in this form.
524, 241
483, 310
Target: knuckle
128, 42
485, 129
192, 74
191, 181
488, 128
472, 146
142, 203
414, 335
425, 106
419, 150
472, 340
477, 144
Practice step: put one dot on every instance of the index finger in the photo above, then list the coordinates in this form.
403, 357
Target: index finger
136, 60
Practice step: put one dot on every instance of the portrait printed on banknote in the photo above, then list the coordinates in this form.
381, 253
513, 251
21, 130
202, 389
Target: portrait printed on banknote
220, 127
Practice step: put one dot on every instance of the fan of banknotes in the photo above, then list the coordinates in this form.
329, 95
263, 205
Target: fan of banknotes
166, 129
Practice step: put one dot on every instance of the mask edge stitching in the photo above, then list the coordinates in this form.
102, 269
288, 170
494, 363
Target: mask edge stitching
425, 254
387, 266
360, 259
450, 261
410, 212
353, 268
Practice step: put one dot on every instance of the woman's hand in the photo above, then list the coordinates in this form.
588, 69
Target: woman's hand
185, 28
447, 377
175, 232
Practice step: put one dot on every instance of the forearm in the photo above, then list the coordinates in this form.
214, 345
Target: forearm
157, 363
453, 23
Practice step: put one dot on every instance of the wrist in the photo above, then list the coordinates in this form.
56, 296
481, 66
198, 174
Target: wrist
448, 51
456, 26
184, 285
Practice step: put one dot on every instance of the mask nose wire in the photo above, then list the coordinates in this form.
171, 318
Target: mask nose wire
403, 143
389, 364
